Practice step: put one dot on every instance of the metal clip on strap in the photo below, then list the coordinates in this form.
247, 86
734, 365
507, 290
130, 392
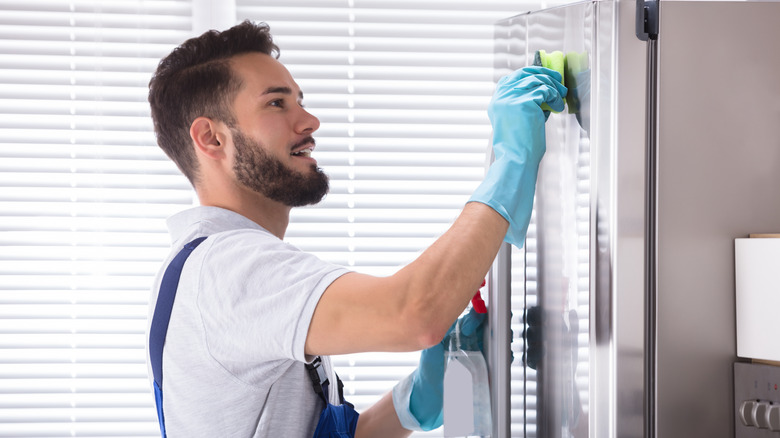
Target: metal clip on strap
319, 379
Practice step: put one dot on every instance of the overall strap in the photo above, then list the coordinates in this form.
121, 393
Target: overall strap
162, 316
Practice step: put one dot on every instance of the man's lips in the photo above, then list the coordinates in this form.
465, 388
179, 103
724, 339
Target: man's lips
304, 148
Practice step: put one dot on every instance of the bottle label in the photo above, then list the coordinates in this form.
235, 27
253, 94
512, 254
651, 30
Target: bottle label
458, 409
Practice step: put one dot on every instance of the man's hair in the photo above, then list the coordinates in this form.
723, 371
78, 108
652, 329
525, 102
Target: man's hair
196, 80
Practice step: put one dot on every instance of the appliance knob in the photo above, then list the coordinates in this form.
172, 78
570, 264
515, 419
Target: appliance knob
773, 417
760, 416
746, 412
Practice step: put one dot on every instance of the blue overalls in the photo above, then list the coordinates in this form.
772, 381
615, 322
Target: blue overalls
335, 421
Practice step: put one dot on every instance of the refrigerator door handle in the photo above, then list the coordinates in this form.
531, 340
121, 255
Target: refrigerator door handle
647, 19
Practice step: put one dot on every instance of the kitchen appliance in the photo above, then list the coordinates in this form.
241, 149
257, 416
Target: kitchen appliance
757, 400
620, 309
757, 384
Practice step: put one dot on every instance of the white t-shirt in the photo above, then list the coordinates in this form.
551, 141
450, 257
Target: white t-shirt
233, 361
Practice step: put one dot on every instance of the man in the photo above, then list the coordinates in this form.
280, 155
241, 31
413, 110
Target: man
252, 311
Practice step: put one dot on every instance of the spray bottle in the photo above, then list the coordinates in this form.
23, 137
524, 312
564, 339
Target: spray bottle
466, 407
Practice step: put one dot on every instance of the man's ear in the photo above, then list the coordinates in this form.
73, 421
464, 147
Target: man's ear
208, 137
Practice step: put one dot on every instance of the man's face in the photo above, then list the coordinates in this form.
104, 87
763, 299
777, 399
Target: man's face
273, 134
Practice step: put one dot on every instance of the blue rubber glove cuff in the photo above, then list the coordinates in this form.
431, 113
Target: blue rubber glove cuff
401, 395
508, 188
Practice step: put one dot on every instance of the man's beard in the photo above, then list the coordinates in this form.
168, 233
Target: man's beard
265, 174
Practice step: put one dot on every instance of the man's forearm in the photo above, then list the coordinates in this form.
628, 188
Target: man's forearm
450, 271
381, 421
414, 308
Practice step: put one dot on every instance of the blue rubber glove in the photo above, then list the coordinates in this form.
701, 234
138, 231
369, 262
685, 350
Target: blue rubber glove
418, 399
518, 144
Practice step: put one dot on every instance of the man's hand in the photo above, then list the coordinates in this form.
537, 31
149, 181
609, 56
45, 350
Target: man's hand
518, 144
419, 398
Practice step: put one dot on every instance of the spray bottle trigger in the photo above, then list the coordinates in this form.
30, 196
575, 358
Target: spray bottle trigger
477, 302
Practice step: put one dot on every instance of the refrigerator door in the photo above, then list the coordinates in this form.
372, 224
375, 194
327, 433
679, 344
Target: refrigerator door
550, 376
578, 347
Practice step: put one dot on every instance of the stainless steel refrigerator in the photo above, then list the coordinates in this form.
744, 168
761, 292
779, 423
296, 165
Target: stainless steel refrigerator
620, 309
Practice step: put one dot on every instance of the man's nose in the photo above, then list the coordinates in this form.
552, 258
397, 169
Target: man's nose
308, 122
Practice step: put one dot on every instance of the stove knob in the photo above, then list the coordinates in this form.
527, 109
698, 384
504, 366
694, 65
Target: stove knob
773, 417
760, 416
746, 412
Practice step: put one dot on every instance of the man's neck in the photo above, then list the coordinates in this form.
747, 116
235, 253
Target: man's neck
271, 215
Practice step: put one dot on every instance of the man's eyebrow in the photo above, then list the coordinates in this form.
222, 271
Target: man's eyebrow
282, 90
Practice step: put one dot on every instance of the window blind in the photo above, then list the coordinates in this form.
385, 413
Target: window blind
84, 191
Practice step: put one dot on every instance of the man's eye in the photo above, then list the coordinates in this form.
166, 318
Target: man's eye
277, 102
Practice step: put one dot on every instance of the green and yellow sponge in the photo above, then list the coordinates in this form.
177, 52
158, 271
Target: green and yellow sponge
554, 61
